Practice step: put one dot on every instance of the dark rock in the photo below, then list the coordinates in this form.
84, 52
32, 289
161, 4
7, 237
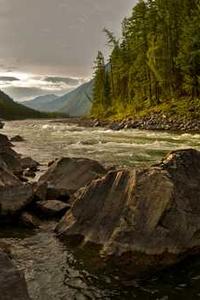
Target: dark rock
12, 161
4, 141
143, 220
8, 157
12, 282
29, 163
14, 195
67, 175
60, 194
5, 247
1, 124
17, 138
29, 220
52, 208
29, 173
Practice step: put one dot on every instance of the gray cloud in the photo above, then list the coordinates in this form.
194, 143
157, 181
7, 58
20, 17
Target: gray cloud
22, 94
66, 80
57, 37
8, 78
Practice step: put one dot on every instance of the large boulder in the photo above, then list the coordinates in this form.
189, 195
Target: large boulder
9, 157
143, 220
4, 141
12, 282
14, 195
67, 175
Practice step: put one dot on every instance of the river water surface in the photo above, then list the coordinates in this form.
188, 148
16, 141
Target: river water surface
52, 270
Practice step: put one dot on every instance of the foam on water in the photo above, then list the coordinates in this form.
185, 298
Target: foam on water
46, 140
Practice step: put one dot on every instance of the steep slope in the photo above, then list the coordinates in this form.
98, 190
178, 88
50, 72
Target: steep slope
40, 103
10, 110
74, 103
78, 102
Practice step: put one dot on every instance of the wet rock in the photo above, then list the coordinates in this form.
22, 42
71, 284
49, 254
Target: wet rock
29, 220
52, 208
144, 220
29, 163
29, 173
8, 157
14, 195
17, 138
60, 194
12, 161
4, 141
1, 124
5, 247
12, 282
67, 175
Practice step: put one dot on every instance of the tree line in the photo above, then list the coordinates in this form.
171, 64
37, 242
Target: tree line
157, 58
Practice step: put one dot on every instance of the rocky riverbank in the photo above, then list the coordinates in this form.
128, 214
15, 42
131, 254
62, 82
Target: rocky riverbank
155, 121
140, 220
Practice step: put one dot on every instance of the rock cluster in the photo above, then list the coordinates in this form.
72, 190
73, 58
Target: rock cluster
143, 220
154, 121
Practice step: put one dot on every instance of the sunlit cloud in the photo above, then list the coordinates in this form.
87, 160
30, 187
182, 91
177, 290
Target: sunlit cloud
22, 86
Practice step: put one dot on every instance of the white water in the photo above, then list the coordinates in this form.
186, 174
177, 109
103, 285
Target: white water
45, 140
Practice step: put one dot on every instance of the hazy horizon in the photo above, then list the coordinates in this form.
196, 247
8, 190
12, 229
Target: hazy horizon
49, 47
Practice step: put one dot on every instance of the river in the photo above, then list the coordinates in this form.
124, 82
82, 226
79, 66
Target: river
52, 269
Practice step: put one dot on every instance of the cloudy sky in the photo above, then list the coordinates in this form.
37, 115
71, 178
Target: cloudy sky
48, 46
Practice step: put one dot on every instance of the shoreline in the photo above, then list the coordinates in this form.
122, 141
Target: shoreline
153, 122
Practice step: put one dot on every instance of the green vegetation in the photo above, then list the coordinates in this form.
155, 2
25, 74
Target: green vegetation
155, 66
10, 110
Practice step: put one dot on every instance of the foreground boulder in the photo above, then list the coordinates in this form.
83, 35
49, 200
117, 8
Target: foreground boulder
12, 282
14, 195
143, 220
67, 175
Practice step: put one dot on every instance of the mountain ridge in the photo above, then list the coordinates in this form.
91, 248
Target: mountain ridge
75, 103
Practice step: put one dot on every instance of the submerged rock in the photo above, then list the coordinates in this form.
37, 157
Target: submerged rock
14, 195
29, 163
1, 124
67, 175
17, 138
144, 220
12, 282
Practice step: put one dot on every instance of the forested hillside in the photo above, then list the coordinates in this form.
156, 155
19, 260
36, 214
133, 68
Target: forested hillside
155, 66
10, 110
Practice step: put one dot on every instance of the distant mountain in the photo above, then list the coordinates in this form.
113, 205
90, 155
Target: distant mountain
10, 110
75, 103
78, 102
40, 103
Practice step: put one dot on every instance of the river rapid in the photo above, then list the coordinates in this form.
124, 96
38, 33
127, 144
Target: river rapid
53, 270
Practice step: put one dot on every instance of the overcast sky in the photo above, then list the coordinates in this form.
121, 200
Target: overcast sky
42, 40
